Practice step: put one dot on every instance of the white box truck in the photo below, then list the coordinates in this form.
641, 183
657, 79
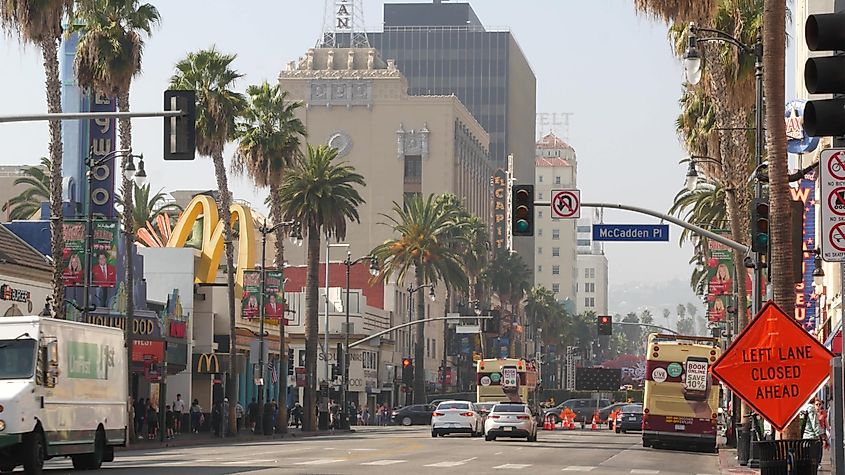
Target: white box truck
63, 389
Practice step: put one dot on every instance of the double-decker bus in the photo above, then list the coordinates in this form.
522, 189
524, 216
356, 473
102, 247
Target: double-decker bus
506, 379
681, 401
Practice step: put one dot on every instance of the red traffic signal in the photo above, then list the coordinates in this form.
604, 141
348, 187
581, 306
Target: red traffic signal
605, 325
407, 362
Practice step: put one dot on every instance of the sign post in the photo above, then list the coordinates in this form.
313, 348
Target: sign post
774, 365
832, 189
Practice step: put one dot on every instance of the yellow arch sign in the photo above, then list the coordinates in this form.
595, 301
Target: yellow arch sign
212, 238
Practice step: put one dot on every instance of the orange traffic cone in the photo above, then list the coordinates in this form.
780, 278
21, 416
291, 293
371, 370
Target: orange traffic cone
593, 425
547, 423
571, 423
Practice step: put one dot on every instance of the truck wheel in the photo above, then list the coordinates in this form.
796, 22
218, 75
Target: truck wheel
7, 468
92, 461
33, 453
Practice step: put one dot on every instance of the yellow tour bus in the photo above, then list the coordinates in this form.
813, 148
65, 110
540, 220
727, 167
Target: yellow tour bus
506, 379
680, 403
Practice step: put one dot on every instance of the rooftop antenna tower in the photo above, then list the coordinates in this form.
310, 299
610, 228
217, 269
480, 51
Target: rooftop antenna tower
343, 25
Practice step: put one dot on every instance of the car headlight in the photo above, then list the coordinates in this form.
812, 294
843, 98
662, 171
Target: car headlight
2, 425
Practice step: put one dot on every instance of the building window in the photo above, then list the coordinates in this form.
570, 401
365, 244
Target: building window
539, 214
539, 250
539, 231
555, 270
590, 273
590, 287
539, 195
583, 229
557, 180
555, 251
540, 178
589, 302
555, 288
584, 242
555, 233
413, 169
539, 268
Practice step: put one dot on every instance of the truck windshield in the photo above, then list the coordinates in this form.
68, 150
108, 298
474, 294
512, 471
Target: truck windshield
17, 358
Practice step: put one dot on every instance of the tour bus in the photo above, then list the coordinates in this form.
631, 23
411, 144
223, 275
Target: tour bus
681, 401
506, 379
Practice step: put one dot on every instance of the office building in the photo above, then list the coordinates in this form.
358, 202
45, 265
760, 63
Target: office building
592, 285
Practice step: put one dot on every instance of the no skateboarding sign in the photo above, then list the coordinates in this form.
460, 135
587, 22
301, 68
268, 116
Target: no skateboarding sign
832, 192
566, 204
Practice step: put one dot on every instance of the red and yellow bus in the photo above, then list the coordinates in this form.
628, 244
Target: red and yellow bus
681, 401
506, 379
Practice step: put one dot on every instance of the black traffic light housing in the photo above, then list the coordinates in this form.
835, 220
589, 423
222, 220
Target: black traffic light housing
408, 371
180, 133
825, 74
605, 324
522, 210
760, 225
491, 325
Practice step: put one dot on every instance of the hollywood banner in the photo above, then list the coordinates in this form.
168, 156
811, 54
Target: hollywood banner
720, 280
103, 250
273, 299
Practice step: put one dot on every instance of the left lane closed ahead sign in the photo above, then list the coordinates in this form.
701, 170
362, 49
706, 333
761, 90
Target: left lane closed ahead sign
775, 365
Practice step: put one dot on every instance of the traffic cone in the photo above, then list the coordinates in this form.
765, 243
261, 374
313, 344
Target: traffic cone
571, 423
593, 425
547, 424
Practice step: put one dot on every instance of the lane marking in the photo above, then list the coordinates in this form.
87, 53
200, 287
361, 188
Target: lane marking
451, 464
513, 466
578, 468
498, 453
245, 462
642, 470
320, 462
384, 462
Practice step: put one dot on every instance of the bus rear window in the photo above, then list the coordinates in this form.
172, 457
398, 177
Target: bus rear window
509, 408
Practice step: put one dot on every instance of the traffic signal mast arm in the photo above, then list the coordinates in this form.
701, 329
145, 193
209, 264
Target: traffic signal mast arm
415, 322
87, 115
648, 325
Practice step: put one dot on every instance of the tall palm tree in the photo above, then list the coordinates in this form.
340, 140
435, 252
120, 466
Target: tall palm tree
209, 73
321, 195
425, 230
39, 22
509, 279
269, 143
37, 182
146, 208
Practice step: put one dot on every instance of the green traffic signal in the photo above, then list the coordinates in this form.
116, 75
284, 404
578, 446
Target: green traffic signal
522, 226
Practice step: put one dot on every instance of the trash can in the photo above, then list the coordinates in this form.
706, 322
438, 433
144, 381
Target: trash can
743, 444
779, 456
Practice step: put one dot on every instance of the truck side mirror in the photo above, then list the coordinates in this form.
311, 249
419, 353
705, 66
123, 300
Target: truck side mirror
51, 372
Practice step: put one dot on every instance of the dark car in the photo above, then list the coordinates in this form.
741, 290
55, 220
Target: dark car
604, 413
413, 414
583, 409
629, 418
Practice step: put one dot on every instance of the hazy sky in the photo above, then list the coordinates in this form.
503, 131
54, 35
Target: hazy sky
611, 68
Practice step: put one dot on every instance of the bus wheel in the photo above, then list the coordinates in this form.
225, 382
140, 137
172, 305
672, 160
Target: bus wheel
646, 443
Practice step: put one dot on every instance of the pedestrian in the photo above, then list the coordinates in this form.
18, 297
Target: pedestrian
196, 416
365, 415
296, 415
169, 421
152, 421
216, 417
140, 414
251, 414
811, 427
239, 414
178, 411
334, 412
274, 415
224, 431
132, 424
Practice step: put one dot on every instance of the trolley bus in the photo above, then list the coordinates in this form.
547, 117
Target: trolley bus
506, 379
681, 401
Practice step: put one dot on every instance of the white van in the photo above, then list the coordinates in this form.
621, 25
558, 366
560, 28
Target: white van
63, 389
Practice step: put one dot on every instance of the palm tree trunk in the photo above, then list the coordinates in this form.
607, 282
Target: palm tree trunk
226, 216
276, 203
312, 300
419, 350
740, 271
49, 51
774, 46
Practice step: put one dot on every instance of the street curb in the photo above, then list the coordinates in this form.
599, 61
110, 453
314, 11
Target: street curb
728, 464
206, 441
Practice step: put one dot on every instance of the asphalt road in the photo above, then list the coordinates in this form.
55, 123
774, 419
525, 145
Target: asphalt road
413, 451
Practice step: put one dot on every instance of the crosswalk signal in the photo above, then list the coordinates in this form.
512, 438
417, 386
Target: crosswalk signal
825, 75
605, 324
522, 210
408, 371
760, 225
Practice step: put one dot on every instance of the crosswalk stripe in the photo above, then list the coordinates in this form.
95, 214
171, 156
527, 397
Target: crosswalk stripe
578, 468
320, 462
513, 466
383, 462
244, 462
644, 471
451, 464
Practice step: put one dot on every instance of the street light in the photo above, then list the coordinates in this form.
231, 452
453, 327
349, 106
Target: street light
692, 173
329, 246
411, 291
692, 59
818, 272
374, 271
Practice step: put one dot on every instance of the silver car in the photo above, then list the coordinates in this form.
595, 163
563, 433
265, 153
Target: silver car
510, 420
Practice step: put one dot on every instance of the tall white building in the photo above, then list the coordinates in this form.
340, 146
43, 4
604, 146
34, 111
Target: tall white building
592, 270
554, 239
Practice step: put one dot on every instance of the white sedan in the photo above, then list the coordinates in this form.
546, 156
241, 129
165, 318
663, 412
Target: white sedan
510, 420
456, 417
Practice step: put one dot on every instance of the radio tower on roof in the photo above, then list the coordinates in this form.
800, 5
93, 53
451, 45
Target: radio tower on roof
343, 25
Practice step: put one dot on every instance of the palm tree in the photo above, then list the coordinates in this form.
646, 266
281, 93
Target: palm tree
269, 143
37, 182
320, 194
425, 230
39, 22
509, 277
147, 208
210, 74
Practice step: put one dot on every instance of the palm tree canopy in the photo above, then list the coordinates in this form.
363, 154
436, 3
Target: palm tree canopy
321, 193
680, 11
110, 45
509, 276
37, 182
147, 208
426, 234
35, 20
269, 134
209, 73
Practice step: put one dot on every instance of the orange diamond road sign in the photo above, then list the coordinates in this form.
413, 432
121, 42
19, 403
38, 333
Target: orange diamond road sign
774, 365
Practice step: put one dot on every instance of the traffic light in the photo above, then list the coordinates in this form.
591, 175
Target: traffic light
522, 210
180, 133
491, 325
605, 324
336, 373
408, 371
825, 75
760, 225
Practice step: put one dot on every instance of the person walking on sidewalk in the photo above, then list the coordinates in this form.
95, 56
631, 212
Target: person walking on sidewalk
251, 414
169, 421
152, 421
811, 427
196, 416
296, 415
239, 414
179, 411
224, 430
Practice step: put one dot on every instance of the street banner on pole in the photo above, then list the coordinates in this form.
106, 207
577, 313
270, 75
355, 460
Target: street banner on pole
774, 365
720, 280
250, 296
73, 253
104, 250
274, 306
273, 301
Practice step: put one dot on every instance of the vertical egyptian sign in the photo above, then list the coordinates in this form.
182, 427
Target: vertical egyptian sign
343, 15
104, 250
101, 134
500, 207
805, 300
73, 253
250, 296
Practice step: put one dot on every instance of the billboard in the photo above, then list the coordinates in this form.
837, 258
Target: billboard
103, 250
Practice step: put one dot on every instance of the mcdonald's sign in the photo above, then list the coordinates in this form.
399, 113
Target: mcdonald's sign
203, 209
206, 363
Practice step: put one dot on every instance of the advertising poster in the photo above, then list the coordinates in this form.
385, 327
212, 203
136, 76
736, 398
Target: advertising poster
273, 300
104, 254
73, 254
720, 280
274, 306
249, 299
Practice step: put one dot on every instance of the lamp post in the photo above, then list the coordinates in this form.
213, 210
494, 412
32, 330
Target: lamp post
296, 239
411, 291
692, 173
329, 246
374, 271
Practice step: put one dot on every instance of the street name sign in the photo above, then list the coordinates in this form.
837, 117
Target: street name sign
832, 192
566, 204
631, 232
468, 329
774, 365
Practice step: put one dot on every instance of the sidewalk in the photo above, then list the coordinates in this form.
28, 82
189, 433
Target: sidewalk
207, 438
728, 463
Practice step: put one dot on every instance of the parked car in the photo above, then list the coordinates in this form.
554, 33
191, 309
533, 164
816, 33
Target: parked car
456, 417
583, 408
629, 418
413, 414
511, 420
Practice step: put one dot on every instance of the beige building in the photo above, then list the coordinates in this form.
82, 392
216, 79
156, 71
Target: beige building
554, 239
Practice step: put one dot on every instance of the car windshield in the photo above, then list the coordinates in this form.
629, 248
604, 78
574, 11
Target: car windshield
453, 405
17, 358
633, 408
509, 408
